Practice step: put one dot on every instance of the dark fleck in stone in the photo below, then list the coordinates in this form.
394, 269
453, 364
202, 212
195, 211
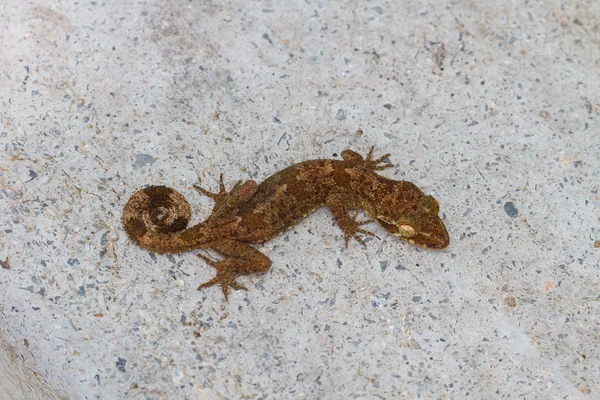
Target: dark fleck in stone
510, 210
121, 364
81, 291
104, 238
563, 335
416, 299
275, 119
73, 261
588, 106
265, 36
340, 115
383, 265
400, 267
32, 175
388, 106
142, 160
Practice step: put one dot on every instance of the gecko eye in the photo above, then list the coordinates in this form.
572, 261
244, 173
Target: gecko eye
406, 231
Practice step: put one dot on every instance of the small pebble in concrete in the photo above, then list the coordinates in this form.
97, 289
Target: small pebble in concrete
510, 301
121, 364
510, 209
142, 160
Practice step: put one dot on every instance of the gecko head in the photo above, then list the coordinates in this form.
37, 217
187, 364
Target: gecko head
413, 217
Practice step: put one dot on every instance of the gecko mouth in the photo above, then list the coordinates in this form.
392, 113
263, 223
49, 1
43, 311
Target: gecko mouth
427, 241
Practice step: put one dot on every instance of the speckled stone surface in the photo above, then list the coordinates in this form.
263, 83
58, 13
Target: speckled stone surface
493, 109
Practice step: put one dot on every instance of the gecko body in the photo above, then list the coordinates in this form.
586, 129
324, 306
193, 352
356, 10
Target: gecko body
156, 217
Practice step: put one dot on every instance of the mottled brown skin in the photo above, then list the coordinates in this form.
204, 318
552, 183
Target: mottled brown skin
156, 217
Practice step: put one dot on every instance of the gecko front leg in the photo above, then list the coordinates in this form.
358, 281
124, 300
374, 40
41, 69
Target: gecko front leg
339, 205
240, 259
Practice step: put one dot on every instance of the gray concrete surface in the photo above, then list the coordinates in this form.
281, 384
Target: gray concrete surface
491, 108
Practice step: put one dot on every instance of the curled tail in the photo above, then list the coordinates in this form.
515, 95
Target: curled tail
153, 216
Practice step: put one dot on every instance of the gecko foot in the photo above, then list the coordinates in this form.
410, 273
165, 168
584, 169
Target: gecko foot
351, 230
225, 276
219, 196
225, 200
373, 165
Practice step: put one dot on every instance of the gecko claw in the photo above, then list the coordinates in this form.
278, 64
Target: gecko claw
226, 281
221, 184
204, 191
209, 261
355, 236
237, 286
213, 282
352, 230
225, 278
373, 165
358, 238
216, 196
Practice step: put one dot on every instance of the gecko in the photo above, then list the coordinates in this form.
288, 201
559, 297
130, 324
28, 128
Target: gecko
156, 217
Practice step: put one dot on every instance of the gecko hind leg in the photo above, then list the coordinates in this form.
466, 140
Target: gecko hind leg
240, 259
224, 200
219, 196
225, 277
